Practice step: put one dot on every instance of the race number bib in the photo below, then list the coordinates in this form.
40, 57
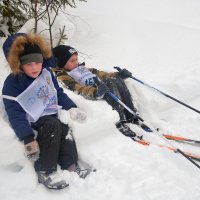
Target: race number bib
82, 75
40, 98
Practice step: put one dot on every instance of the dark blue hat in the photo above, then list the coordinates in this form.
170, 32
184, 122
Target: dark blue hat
63, 53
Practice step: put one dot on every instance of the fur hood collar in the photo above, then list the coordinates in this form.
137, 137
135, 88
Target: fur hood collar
17, 48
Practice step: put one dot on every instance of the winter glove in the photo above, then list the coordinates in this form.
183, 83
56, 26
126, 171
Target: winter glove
124, 73
102, 89
32, 150
77, 115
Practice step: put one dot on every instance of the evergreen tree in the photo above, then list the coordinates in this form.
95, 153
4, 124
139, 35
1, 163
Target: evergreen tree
14, 13
11, 16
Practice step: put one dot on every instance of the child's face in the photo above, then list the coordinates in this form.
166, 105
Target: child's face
72, 62
32, 69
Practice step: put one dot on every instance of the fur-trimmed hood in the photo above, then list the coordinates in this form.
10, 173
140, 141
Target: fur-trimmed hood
17, 48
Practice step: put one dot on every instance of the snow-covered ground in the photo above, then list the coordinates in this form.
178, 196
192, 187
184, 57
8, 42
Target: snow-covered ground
158, 41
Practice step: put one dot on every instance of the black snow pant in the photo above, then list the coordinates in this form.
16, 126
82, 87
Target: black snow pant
118, 87
56, 144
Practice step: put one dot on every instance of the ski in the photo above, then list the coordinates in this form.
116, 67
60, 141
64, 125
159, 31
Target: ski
174, 137
182, 139
147, 143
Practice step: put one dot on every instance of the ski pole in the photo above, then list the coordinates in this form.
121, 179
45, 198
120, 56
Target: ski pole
98, 82
166, 95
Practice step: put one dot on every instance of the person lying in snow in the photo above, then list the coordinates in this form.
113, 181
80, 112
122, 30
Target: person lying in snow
31, 95
82, 80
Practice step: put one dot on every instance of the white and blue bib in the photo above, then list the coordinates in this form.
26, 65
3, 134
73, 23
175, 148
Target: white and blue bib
39, 99
82, 75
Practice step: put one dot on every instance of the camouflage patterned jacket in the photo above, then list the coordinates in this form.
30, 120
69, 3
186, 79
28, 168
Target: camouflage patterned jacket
88, 92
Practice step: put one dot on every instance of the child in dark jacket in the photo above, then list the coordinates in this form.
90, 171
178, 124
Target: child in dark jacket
32, 97
80, 79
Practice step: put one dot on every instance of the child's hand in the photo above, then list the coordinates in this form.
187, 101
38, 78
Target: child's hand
32, 150
77, 115
124, 73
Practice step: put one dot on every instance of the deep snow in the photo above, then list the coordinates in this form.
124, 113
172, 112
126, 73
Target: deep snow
159, 42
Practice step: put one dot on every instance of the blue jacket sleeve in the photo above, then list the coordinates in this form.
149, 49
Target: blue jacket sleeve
16, 114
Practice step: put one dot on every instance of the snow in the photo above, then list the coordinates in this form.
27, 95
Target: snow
158, 41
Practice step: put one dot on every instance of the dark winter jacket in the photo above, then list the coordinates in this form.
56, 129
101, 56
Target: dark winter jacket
15, 85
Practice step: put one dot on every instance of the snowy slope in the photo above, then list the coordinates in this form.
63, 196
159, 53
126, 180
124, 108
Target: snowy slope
159, 42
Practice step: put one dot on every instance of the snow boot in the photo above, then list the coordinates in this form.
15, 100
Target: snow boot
124, 129
83, 173
52, 180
